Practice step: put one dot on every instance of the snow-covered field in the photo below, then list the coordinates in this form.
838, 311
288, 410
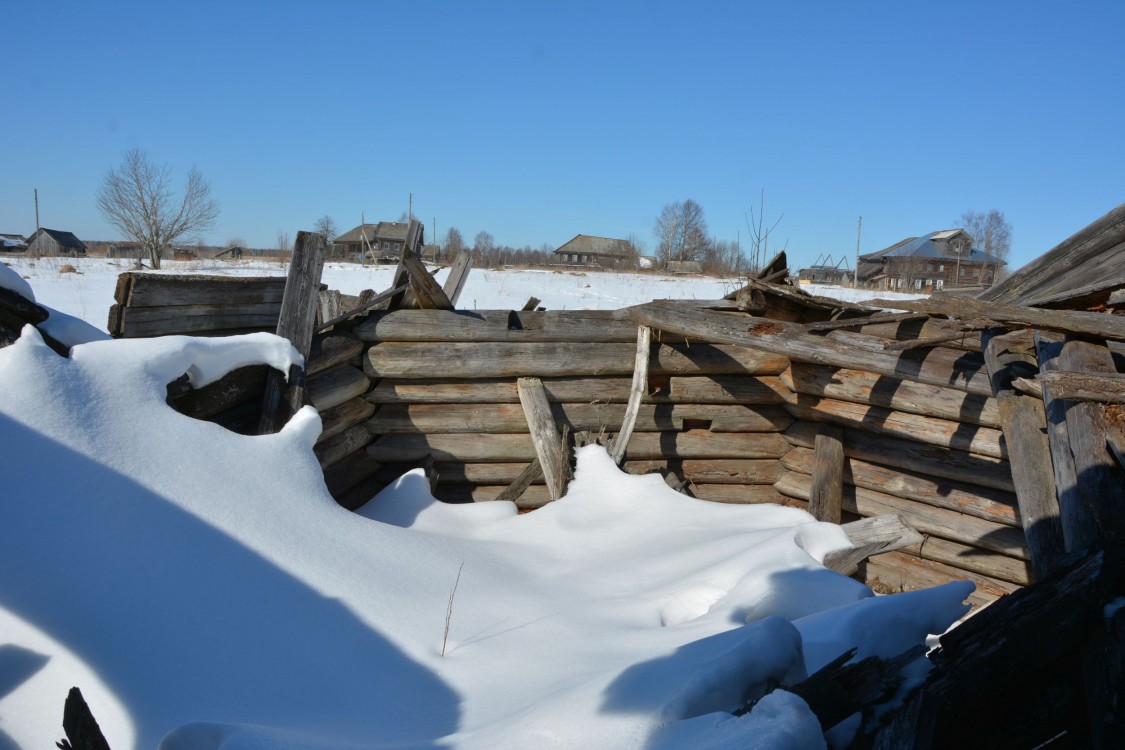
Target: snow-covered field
204, 590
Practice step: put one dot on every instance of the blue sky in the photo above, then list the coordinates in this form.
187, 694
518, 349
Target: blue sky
538, 121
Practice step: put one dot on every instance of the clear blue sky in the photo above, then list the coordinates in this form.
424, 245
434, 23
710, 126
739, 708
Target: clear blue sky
537, 121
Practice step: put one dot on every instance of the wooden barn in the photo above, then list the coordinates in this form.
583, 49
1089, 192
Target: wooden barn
55, 242
587, 250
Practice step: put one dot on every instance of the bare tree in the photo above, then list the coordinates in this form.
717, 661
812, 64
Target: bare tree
681, 231
284, 246
454, 242
759, 246
326, 225
992, 235
484, 243
137, 198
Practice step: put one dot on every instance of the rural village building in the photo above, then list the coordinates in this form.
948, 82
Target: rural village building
55, 242
826, 273
934, 261
386, 239
13, 243
586, 249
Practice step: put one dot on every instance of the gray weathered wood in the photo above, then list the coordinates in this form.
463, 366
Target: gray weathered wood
364, 306
1092, 499
934, 461
334, 386
331, 349
545, 435
340, 446
140, 290
916, 326
531, 304
428, 294
458, 275
507, 448
732, 494
828, 474
494, 360
1104, 387
983, 502
530, 475
874, 318
862, 387
297, 324
790, 340
1065, 321
453, 326
927, 519
348, 414
636, 393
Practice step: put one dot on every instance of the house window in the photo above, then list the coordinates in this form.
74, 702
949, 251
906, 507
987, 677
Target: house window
939, 283
917, 284
941, 267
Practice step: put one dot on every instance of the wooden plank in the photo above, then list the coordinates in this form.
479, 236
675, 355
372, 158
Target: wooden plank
790, 340
1024, 427
531, 304
236, 387
737, 494
637, 391
458, 275
349, 472
716, 389
712, 471
197, 325
893, 572
983, 502
459, 326
428, 294
297, 324
1064, 321
162, 290
928, 519
827, 474
971, 468
339, 418
930, 430
335, 386
549, 448
508, 448
912, 327
365, 305
1091, 484
862, 387
496, 418
496, 360
1053, 267
175, 313
1103, 387
531, 474
867, 320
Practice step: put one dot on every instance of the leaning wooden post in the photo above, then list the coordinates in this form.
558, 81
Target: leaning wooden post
827, 495
1008, 356
636, 393
544, 433
297, 323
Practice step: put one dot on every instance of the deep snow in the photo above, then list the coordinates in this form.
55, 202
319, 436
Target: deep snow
204, 591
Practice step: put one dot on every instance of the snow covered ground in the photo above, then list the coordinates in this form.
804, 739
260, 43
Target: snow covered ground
204, 590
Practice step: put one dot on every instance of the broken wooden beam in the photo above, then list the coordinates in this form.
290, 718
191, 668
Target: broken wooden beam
827, 474
458, 275
545, 435
636, 394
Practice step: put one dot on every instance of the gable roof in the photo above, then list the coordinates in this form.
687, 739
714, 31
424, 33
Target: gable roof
384, 230
64, 239
585, 244
930, 246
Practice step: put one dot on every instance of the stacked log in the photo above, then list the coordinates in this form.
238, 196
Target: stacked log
446, 388
161, 305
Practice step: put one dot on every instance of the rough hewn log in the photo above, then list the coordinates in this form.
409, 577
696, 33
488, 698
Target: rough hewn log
862, 387
470, 448
81, 728
364, 305
717, 389
531, 474
21, 307
428, 294
331, 349
339, 418
712, 471
335, 386
534, 496
736, 494
349, 472
927, 519
916, 326
970, 468
1064, 321
340, 446
138, 289
828, 474
637, 391
868, 320
236, 387
1103, 387
497, 360
1024, 428
892, 572
871, 536
297, 323
790, 340
982, 502
437, 418
459, 326
941, 432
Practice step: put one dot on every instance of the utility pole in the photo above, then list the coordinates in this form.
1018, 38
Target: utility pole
37, 210
855, 273
410, 207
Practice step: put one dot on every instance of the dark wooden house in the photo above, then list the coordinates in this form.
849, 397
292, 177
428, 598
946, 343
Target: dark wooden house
586, 250
55, 242
13, 243
383, 241
934, 261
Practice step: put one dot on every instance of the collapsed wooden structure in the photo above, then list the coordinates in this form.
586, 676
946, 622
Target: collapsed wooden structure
955, 438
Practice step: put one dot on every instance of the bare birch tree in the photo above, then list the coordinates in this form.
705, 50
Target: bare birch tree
137, 198
681, 231
992, 235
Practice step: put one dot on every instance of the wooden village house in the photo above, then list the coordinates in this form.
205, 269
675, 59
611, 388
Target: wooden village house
586, 250
13, 243
934, 261
380, 242
55, 242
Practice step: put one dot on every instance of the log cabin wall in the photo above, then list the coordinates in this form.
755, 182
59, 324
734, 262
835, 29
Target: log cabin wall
732, 423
